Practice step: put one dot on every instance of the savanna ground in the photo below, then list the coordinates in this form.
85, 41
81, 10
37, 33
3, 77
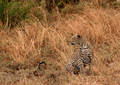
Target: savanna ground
23, 47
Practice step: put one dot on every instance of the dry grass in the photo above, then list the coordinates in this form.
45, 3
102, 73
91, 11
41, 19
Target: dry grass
34, 42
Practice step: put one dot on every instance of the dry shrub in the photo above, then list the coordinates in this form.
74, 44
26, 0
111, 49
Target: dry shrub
20, 43
34, 42
99, 26
98, 2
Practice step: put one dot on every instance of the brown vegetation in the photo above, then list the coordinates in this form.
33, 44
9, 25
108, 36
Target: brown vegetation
22, 48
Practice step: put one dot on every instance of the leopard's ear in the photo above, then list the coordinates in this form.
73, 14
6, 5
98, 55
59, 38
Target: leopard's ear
78, 36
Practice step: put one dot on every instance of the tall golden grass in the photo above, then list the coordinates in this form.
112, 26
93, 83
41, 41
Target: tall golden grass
34, 42
99, 26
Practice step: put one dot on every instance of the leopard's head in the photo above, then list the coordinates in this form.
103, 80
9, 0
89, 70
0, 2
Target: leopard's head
76, 39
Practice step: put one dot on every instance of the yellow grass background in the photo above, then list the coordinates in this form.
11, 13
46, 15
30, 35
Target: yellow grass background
34, 42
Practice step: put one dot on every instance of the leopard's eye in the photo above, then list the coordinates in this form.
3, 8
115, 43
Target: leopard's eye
78, 36
72, 43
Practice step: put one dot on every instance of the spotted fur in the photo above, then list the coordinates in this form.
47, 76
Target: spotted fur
82, 56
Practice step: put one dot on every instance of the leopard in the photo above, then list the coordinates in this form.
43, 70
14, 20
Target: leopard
82, 56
